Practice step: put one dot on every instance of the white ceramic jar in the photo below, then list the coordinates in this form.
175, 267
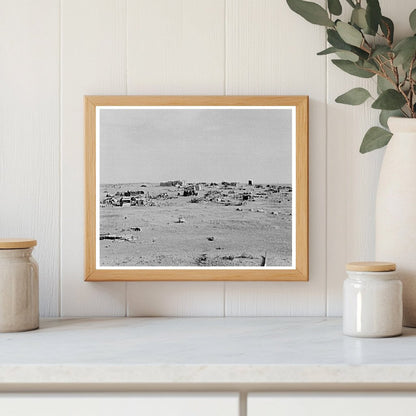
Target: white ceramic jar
19, 286
373, 305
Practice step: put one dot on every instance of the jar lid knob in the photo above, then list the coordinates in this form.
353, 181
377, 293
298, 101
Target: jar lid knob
12, 243
371, 266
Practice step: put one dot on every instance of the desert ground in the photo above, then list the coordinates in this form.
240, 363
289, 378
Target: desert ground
218, 225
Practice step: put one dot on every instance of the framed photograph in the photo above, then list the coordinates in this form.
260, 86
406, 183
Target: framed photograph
196, 188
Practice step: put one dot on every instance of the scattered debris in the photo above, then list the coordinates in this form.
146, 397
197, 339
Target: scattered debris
195, 200
108, 236
201, 260
190, 190
263, 260
245, 256
181, 220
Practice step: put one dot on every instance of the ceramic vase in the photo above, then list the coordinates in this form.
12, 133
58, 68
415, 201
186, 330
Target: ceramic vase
396, 210
19, 286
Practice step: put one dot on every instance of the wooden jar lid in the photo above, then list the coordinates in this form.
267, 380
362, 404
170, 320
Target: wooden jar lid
11, 243
371, 266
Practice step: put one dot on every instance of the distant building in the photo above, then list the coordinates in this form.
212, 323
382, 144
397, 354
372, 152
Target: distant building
250, 182
173, 183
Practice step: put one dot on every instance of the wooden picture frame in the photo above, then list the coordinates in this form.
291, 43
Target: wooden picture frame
298, 271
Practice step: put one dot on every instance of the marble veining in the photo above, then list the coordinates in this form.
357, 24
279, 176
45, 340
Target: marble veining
203, 350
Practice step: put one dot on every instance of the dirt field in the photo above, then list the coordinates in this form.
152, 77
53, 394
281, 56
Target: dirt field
217, 227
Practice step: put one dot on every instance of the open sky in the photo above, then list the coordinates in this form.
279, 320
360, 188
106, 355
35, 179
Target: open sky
197, 145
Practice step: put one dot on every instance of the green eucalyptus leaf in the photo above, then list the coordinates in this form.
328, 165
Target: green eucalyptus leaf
375, 138
360, 52
348, 56
389, 100
373, 65
405, 50
327, 51
383, 84
336, 41
387, 27
356, 96
373, 15
381, 50
311, 12
349, 34
352, 68
386, 114
412, 20
334, 7
358, 18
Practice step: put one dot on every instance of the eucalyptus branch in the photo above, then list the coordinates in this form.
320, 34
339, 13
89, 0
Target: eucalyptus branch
395, 71
366, 47
385, 75
406, 97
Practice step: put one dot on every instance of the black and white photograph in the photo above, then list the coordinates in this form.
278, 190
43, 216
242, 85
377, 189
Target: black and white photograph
195, 187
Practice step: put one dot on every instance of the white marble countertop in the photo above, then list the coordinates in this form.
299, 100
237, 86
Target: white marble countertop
203, 351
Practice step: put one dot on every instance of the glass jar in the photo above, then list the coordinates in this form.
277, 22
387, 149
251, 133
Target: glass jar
372, 300
19, 286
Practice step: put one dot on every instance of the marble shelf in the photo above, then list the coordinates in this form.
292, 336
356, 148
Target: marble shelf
202, 352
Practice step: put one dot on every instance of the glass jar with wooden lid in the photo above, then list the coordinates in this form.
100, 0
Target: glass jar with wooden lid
372, 300
19, 286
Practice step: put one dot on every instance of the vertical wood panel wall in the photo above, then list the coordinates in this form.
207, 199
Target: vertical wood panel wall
55, 51
30, 135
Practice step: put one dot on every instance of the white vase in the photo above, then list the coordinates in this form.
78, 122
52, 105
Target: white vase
396, 210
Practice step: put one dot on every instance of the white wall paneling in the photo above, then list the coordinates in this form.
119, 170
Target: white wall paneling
352, 178
93, 61
175, 48
266, 55
175, 299
56, 51
29, 134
